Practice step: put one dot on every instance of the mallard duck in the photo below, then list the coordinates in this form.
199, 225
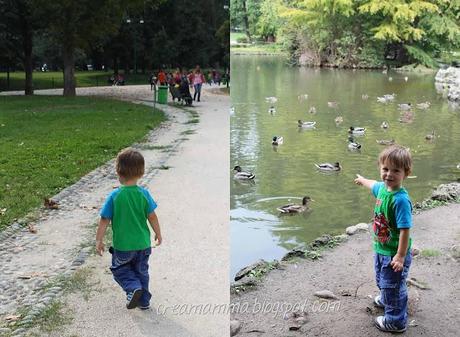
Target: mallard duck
271, 99
430, 136
384, 125
352, 145
277, 140
424, 105
272, 109
338, 120
405, 106
364, 96
356, 130
333, 105
242, 175
389, 97
294, 208
329, 167
385, 141
312, 110
302, 124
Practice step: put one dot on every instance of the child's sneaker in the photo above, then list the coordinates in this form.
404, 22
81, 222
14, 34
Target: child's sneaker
144, 307
133, 298
382, 325
378, 302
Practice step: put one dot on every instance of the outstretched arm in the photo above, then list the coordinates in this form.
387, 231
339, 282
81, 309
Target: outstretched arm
103, 223
153, 220
360, 180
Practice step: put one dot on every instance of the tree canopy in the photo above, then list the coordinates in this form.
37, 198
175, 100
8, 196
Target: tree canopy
133, 35
363, 33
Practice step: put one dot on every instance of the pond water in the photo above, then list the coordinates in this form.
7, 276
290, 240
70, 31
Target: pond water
287, 173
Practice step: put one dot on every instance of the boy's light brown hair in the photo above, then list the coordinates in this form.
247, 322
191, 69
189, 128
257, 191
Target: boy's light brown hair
398, 156
130, 164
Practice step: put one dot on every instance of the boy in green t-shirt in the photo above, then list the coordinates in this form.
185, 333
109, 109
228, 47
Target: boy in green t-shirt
391, 238
128, 208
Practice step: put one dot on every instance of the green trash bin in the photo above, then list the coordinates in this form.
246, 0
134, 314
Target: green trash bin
162, 94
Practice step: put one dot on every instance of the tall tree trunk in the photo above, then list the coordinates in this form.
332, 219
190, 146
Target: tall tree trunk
69, 70
27, 35
246, 21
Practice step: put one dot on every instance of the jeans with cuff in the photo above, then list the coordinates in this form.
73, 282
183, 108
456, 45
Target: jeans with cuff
130, 270
393, 288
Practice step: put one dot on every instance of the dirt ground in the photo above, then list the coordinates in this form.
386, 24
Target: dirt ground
347, 271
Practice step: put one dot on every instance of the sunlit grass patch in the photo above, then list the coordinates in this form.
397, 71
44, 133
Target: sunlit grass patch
50, 142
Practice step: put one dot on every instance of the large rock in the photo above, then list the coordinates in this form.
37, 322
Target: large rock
245, 271
447, 81
446, 192
357, 228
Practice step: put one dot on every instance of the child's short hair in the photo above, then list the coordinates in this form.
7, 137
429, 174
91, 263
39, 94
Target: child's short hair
130, 164
398, 156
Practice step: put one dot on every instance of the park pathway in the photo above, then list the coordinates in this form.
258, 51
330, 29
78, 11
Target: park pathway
187, 167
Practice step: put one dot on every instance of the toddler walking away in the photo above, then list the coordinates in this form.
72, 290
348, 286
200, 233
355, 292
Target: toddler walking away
128, 208
391, 237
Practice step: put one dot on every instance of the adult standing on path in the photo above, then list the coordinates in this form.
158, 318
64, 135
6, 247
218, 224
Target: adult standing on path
198, 80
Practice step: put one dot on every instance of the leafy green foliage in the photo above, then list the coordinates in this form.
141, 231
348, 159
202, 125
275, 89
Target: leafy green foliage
360, 33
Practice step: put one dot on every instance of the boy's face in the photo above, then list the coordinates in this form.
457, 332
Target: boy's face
391, 175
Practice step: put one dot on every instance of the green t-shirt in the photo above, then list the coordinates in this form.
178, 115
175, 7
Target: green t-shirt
128, 207
392, 212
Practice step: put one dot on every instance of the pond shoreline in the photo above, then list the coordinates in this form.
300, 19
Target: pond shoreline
295, 280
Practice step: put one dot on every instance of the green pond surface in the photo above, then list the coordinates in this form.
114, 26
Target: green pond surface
287, 173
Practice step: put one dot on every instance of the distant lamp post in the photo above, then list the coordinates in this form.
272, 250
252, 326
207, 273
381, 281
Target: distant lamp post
141, 21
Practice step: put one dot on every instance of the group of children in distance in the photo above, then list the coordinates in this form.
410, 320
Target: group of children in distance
130, 206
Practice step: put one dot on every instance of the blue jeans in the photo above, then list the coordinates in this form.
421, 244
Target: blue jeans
131, 271
197, 91
393, 288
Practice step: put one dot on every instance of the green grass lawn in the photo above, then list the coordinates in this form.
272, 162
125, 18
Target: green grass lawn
55, 79
49, 142
259, 48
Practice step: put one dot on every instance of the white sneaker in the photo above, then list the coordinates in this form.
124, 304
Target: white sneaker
382, 325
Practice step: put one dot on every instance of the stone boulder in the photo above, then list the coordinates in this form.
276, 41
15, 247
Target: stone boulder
446, 192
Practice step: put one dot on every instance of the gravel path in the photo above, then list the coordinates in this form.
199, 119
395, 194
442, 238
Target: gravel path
191, 266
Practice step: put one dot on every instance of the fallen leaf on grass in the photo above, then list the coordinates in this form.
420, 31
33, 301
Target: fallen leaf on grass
51, 204
12, 318
32, 228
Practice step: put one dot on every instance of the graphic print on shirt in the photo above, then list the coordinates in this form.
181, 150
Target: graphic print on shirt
381, 228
